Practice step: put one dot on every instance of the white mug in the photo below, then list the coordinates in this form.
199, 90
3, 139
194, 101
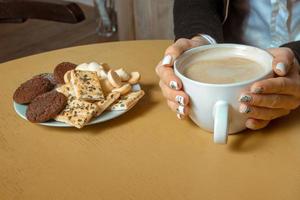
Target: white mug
215, 107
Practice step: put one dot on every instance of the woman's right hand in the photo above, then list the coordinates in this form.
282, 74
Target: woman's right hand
169, 83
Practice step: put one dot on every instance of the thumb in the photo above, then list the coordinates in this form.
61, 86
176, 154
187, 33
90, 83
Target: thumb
180, 46
283, 60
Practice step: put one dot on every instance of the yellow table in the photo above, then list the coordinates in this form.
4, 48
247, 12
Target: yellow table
144, 154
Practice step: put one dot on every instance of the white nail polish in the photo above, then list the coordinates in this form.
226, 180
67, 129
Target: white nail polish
244, 108
281, 67
167, 60
174, 85
180, 100
180, 110
179, 116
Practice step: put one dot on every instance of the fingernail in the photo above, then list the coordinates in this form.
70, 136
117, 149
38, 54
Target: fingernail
245, 98
281, 68
180, 110
167, 60
179, 116
250, 125
180, 100
257, 90
174, 85
244, 109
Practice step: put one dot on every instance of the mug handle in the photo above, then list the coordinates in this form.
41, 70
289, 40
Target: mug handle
221, 110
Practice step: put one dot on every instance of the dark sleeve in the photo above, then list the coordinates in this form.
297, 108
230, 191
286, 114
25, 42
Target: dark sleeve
192, 17
295, 47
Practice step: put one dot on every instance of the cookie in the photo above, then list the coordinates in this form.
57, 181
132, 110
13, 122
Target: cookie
124, 75
60, 71
77, 113
27, 91
126, 88
114, 79
48, 76
106, 86
46, 106
135, 77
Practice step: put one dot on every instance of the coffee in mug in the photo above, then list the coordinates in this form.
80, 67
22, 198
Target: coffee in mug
223, 70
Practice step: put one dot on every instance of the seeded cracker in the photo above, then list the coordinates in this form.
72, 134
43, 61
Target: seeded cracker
77, 113
66, 89
128, 101
86, 85
104, 104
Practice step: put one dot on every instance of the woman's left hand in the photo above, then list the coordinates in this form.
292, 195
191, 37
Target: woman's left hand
275, 97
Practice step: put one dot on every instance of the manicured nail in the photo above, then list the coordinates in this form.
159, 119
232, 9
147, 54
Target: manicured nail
180, 100
244, 109
174, 85
257, 90
281, 67
167, 60
180, 110
245, 98
179, 116
250, 125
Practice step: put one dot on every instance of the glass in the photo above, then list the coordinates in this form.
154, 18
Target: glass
106, 17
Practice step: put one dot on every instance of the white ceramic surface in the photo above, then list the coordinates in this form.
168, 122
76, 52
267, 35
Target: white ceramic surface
207, 98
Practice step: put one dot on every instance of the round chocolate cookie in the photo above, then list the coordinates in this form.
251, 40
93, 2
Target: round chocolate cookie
27, 91
48, 76
46, 106
60, 71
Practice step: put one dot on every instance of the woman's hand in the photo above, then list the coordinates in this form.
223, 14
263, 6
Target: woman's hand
274, 97
169, 83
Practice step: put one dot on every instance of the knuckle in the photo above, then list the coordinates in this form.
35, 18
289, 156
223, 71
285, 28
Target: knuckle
289, 54
182, 41
276, 99
257, 100
282, 83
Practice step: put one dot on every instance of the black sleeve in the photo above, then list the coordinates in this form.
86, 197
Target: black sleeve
192, 17
295, 47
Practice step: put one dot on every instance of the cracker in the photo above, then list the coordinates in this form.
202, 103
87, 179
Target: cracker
128, 101
66, 89
77, 113
86, 85
104, 104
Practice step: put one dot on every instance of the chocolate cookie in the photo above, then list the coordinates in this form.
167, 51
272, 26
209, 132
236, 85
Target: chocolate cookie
27, 91
48, 76
60, 71
46, 106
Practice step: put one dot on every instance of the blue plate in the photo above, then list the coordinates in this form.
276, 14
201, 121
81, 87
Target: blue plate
105, 116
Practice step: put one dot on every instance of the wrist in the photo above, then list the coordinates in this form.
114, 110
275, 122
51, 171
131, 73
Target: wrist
204, 38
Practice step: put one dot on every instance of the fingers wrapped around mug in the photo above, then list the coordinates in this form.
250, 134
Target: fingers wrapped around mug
179, 97
256, 124
283, 60
279, 85
262, 113
182, 111
287, 102
168, 77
